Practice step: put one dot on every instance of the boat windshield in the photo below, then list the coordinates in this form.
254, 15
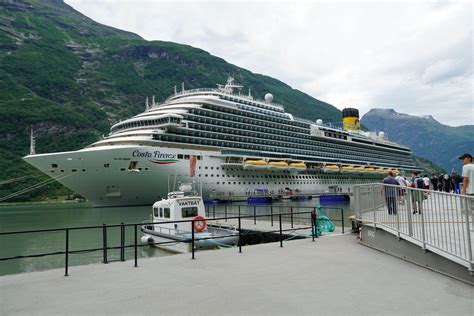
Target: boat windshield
189, 211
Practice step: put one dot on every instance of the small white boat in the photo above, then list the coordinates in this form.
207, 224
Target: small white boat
164, 232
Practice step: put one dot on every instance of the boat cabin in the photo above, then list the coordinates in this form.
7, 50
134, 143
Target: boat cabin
177, 207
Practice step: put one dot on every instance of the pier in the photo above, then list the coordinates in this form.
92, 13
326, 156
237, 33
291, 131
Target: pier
333, 275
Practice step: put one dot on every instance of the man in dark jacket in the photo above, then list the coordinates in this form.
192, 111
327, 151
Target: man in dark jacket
456, 180
390, 193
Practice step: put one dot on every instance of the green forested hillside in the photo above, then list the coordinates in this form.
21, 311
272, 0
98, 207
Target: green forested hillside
69, 78
427, 137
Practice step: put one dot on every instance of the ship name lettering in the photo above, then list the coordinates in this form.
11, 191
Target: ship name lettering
188, 203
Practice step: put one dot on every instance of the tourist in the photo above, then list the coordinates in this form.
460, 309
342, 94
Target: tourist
447, 183
426, 182
440, 182
390, 193
401, 192
468, 174
456, 181
417, 196
434, 182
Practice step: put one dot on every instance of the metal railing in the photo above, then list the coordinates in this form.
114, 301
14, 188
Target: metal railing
311, 215
436, 221
271, 211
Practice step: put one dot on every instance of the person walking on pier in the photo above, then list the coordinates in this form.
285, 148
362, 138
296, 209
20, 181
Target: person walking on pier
390, 193
447, 184
468, 175
417, 196
434, 182
457, 182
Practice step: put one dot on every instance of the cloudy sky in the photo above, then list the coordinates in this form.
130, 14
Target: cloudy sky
413, 56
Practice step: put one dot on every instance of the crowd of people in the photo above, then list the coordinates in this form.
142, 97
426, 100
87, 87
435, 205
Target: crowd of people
454, 183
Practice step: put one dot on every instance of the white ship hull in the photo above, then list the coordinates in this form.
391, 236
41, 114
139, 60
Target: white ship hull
102, 175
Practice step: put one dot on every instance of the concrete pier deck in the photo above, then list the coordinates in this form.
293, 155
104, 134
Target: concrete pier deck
334, 275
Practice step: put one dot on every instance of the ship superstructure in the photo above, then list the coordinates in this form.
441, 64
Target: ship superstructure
231, 143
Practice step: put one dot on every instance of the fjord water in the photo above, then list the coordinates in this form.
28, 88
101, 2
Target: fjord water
61, 215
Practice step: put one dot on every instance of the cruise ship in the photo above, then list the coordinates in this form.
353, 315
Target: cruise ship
230, 143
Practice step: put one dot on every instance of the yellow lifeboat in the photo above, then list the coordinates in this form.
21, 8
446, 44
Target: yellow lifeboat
358, 169
380, 170
254, 163
347, 169
277, 164
331, 168
369, 169
297, 165
396, 170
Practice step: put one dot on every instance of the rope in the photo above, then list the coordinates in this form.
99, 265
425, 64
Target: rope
20, 178
33, 187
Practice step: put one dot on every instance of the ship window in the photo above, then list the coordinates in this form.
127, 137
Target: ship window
186, 156
132, 165
155, 211
180, 156
54, 165
106, 165
166, 212
189, 211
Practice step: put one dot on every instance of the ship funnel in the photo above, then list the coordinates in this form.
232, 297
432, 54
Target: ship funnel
350, 119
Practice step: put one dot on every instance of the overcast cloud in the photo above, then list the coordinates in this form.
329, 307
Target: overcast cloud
415, 57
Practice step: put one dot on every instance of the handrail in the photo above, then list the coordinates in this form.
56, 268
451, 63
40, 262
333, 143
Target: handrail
105, 247
437, 221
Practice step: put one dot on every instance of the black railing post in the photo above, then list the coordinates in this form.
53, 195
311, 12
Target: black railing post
66, 262
271, 214
281, 232
239, 210
122, 242
312, 224
254, 216
240, 236
291, 216
316, 226
136, 246
104, 242
342, 219
213, 211
225, 210
192, 239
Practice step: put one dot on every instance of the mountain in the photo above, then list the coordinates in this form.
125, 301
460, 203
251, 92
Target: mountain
70, 78
427, 137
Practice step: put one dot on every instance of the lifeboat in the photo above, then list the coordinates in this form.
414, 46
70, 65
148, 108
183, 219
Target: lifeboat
369, 169
331, 168
255, 163
358, 169
347, 169
297, 165
277, 164
380, 170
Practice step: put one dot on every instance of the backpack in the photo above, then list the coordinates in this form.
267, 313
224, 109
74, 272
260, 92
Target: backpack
420, 184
